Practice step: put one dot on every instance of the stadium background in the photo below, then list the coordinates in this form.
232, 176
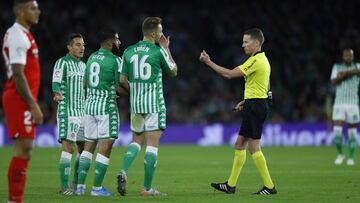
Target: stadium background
303, 40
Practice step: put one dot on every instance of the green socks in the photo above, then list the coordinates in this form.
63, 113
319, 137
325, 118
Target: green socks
101, 165
130, 155
338, 139
352, 133
76, 168
64, 169
150, 161
84, 165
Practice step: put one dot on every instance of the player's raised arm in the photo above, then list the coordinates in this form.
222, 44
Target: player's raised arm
346, 74
225, 72
164, 43
338, 76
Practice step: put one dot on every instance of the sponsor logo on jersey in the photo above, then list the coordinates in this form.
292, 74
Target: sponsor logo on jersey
28, 128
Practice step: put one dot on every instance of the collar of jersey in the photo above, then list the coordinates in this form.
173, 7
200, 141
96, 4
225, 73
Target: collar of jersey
147, 42
258, 52
72, 58
22, 27
105, 50
350, 65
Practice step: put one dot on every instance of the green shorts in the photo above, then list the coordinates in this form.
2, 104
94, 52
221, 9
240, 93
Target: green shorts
145, 122
70, 128
102, 126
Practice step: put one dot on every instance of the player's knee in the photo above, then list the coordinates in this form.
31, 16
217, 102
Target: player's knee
352, 126
68, 147
254, 147
105, 148
240, 144
24, 152
338, 130
338, 123
153, 141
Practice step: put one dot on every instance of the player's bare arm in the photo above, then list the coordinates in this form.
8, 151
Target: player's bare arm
343, 75
164, 42
347, 74
225, 72
22, 87
124, 83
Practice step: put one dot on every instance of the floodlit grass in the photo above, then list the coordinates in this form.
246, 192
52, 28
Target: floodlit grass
301, 174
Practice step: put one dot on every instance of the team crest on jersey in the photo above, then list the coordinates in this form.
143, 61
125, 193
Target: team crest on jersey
28, 128
35, 52
57, 73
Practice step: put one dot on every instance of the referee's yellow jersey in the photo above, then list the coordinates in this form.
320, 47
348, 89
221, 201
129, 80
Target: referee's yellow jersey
257, 75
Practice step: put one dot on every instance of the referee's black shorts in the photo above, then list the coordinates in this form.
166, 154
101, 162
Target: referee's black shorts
254, 114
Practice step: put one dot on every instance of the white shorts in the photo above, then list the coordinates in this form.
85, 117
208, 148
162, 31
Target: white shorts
101, 127
71, 128
347, 113
144, 122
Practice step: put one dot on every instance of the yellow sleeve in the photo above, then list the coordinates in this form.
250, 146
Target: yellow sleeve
248, 67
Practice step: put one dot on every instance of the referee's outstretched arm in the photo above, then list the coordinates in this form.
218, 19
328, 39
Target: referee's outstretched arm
225, 72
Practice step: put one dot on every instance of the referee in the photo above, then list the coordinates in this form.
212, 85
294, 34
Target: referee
256, 71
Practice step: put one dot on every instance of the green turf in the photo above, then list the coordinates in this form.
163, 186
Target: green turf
301, 174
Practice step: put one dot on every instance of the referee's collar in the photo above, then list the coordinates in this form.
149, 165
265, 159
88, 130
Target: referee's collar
258, 52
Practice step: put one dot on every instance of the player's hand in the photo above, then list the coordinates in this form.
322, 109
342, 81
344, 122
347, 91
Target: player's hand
58, 97
239, 106
164, 42
37, 116
204, 57
343, 75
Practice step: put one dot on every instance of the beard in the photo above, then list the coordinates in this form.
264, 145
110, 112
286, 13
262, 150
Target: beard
115, 49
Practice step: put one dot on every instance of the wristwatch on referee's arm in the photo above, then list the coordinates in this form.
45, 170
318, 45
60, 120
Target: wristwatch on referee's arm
270, 97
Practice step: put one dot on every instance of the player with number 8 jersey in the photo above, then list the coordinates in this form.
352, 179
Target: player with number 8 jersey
101, 80
101, 112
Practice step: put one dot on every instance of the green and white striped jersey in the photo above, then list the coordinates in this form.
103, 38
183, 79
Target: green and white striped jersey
347, 90
68, 79
143, 63
101, 78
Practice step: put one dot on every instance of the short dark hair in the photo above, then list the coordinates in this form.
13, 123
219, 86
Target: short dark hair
71, 37
150, 25
348, 49
256, 34
18, 2
106, 34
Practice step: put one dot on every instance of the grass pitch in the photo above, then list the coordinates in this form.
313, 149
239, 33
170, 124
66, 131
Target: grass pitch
301, 174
